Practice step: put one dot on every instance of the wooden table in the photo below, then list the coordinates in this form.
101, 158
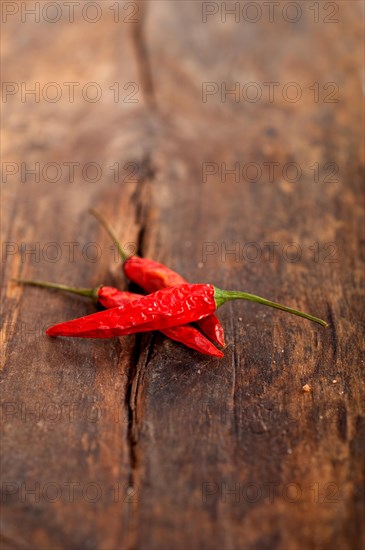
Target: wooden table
229, 147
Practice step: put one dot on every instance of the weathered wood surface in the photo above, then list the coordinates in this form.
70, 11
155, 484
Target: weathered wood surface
141, 443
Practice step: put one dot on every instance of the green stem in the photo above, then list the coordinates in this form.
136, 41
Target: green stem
122, 253
222, 296
89, 292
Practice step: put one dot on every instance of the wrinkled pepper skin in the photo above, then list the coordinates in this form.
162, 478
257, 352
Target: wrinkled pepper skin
150, 275
110, 297
169, 307
153, 276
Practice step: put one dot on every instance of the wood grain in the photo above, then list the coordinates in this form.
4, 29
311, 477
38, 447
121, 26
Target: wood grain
164, 448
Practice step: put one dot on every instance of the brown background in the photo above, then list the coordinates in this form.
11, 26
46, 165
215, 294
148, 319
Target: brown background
152, 436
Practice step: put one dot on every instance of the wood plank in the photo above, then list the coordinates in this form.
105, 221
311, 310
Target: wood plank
74, 447
204, 428
217, 453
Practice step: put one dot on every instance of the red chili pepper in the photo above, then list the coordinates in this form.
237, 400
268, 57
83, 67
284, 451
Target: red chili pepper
110, 297
152, 276
165, 308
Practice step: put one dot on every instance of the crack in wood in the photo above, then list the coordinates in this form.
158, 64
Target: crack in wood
332, 324
143, 347
133, 400
140, 199
143, 61
140, 359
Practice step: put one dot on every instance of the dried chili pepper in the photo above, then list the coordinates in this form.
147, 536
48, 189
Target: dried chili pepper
165, 308
152, 276
110, 297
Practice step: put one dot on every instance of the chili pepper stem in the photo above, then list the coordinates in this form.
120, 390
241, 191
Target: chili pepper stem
122, 253
89, 292
222, 296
